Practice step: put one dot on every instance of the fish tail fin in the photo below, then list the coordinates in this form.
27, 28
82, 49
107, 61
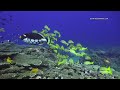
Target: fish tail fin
92, 62
109, 68
48, 40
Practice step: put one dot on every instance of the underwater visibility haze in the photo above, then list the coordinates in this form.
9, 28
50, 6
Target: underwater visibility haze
60, 45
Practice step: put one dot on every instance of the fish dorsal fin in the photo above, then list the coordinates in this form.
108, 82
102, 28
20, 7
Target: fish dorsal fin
41, 35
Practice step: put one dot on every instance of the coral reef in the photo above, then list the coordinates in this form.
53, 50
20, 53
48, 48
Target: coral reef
46, 62
9, 49
25, 59
56, 61
77, 72
8, 76
109, 57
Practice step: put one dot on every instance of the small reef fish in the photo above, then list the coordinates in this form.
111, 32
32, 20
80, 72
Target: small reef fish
87, 58
105, 70
106, 61
9, 60
2, 30
35, 70
88, 63
33, 38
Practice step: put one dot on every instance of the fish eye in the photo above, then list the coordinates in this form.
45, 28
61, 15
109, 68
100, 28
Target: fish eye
24, 35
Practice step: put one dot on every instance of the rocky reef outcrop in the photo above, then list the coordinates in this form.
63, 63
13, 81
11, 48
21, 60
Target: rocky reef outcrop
44, 62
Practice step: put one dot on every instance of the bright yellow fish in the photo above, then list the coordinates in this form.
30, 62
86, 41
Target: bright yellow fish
35, 70
105, 70
9, 60
88, 63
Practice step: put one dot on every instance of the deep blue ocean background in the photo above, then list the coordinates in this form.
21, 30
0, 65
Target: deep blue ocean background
73, 25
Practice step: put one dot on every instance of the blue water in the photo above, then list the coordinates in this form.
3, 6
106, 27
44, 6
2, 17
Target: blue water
74, 25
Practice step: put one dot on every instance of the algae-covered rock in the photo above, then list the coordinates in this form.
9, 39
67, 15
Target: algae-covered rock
40, 51
26, 75
11, 69
93, 67
27, 60
9, 49
4, 65
77, 72
36, 56
9, 76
